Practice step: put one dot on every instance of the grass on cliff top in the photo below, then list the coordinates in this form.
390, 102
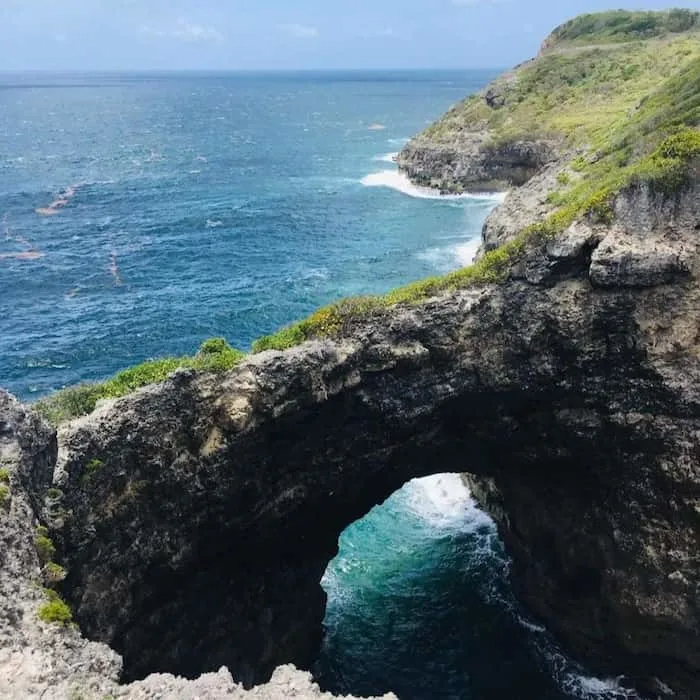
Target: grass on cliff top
622, 25
575, 97
654, 143
215, 355
665, 168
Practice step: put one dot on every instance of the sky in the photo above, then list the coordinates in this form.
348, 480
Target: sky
282, 34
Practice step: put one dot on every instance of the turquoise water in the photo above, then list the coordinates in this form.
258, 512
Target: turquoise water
419, 602
143, 214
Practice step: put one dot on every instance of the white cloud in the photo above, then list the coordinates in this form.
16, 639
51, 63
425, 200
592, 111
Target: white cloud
299, 31
185, 31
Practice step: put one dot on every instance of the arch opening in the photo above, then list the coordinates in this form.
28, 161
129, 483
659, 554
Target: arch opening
421, 603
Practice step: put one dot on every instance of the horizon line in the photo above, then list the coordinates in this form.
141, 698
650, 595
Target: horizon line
102, 71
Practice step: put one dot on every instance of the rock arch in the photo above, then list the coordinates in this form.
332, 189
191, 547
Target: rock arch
198, 515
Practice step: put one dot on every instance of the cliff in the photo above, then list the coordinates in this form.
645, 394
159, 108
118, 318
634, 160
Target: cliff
42, 652
591, 75
187, 522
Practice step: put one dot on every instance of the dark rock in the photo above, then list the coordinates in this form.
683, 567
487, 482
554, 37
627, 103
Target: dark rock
494, 98
471, 161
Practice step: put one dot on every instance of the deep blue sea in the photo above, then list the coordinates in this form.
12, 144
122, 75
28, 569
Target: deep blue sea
141, 214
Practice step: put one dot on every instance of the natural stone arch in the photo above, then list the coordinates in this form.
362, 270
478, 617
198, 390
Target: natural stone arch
213, 504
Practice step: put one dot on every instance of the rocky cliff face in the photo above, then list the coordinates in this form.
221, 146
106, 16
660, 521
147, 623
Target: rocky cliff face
195, 518
46, 660
472, 161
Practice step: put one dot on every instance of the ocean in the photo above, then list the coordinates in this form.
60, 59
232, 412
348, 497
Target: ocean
142, 214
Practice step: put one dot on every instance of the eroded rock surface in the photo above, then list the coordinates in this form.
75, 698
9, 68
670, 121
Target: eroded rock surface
472, 160
197, 516
54, 662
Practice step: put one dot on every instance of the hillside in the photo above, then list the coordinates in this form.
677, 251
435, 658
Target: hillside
607, 87
621, 25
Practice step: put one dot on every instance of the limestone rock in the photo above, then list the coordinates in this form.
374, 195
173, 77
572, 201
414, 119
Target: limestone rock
471, 161
53, 662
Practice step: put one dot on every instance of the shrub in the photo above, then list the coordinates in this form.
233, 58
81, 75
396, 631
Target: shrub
91, 468
4, 476
94, 465
54, 573
214, 346
45, 547
68, 403
55, 610
4, 495
623, 25
215, 355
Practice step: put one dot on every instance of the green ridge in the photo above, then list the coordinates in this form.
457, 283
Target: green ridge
572, 96
621, 25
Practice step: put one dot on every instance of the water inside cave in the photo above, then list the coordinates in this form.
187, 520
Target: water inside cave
420, 603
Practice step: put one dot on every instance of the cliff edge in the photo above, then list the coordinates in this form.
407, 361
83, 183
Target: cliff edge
602, 87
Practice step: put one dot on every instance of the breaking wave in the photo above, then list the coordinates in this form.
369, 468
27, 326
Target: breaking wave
395, 180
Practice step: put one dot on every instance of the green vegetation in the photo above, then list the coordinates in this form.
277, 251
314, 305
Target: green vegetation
620, 25
4, 487
54, 573
633, 109
44, 545
94, 465
215, 355
336, 318
55, 610
91, 468
575, 96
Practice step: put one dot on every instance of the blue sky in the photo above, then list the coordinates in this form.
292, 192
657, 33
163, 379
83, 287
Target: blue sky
273, 34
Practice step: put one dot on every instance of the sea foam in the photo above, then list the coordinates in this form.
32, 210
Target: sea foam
444, 502
398, 181
387, 157
444, 259
591, 688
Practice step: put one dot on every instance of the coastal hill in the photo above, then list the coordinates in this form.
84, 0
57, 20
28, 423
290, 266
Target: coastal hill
602, 93
182, 513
